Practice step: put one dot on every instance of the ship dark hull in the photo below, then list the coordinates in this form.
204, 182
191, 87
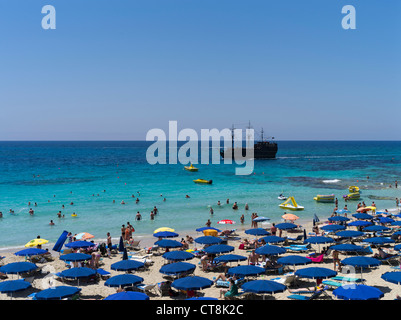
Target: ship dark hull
268, 152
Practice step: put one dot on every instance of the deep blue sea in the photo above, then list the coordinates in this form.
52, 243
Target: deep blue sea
93, 174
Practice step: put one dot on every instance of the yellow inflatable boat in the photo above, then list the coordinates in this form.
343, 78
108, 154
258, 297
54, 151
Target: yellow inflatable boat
353, 196
324, 198
203, 181
291, 204
353, 189
191, 168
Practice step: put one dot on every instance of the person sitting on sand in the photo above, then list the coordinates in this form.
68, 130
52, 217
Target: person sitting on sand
231, 292
190, 239
185, 245
381, 254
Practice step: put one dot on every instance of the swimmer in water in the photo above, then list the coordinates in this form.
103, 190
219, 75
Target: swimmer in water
138, 216
187, 196
122, 202
218, 203
31, 211
51, 223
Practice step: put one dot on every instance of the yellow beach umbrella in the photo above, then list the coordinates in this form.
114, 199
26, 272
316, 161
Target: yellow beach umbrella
289, 216
164, 229
36, 242
210, 232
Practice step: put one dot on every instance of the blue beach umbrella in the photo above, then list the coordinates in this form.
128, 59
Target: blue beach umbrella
319, 240
178, 255
79, 244
294, 260
349, 233
11, 286
244, 271
77, 273
18, 267
358, 292
396, 223
127, 295
202, 298
379, 240
57, 293
263, 287
315, 273
375, 228
121, 245
230, 258
286, 226
363, 216
333, 227
361, 262
127, 265
167, 243
257, 232
123, 280
75, 257
272, 239
393, 277
219, 248
208, 240
347, 247
30, 252
177, 268
397, 247
270, 250
338, 219
385, 220
125, 254
359, 223
165, 234
192, 283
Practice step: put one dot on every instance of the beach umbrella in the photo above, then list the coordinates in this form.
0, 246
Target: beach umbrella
257, 232
396, 223
286, 226
127, 265
177, 268
397, 247
226, 221
202, 298
349, 233
57, 293
77, 273
315, 219
261, 219
385, 220
164, 229
319, 240
342, 211
230, 258
36, 242
84, 236
359, 223
393, 277
168, 243
11, 286
270, 250
192, 283
379, 240
272, 239
208, 240
121, 245
123, 280
375, 228
127, 295
315, 273
290, 216
363, 216
333, 227
347, 247
207, 228
79, 244
263, 287
219, 248
361, 262
358, 292
338, 219
165, 234
178, 255
75, 257
294, 260
30, 252
244, 271
125, 254
18, 267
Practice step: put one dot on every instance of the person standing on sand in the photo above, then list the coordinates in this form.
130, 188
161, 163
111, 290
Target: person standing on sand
109, 245
336, 260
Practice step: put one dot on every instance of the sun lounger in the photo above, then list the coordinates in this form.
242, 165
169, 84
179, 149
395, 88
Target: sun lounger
146, 288
287, 280
347, 279
315, 295
226, 283
299, 247
134, 245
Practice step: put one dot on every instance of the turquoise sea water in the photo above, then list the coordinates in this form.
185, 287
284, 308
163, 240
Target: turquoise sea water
93, 174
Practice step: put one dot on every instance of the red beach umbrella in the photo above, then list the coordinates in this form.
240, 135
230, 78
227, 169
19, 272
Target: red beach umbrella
226, 221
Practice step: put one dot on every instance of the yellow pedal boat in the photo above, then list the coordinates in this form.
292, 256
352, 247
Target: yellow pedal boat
203, 181
191, 168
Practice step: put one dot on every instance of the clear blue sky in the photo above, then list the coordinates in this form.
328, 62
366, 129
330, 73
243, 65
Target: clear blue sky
112, 70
